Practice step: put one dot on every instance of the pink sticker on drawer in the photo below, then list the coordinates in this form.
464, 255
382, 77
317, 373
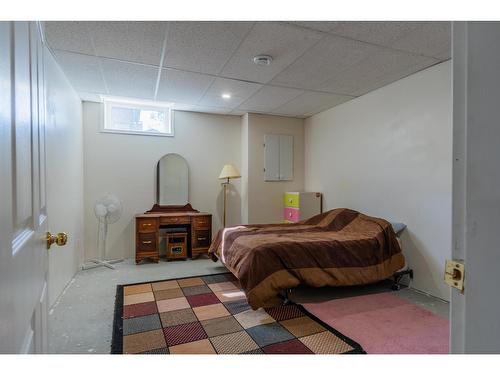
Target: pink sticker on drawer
291, 214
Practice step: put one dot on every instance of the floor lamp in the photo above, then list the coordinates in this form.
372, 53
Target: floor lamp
229, 171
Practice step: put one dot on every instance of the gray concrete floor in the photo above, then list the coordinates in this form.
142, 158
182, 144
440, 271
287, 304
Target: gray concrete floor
81, 320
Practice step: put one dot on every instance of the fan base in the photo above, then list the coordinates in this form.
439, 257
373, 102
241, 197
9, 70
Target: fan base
101, 263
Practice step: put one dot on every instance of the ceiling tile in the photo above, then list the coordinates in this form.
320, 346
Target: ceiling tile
375, 83
325, 60
239, 91
69, 36
384, 33
183, 87
204, 109
310, 103
203, 46
376, 71
130, 41
431, 39
129, 80
286, 44
83, 71
444, 55
326, 57
269, 98
324, 26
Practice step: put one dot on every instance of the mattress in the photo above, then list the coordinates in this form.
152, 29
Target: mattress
337, 248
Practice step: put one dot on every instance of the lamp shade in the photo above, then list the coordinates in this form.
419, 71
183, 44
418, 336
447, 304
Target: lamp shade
229, 171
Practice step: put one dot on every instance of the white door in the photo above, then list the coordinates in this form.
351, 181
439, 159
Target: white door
23, 225
475, 323
278, 157
271, 157
286, 157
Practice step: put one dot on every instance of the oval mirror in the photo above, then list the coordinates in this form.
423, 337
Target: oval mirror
172, 181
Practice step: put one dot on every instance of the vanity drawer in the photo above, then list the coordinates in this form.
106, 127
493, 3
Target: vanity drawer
146, 225
146, 242
166, 220
201, 238
202, 221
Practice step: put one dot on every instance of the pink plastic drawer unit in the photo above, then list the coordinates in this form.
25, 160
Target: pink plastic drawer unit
300, 206
291, 214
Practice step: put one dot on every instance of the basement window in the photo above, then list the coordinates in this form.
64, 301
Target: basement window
137, 118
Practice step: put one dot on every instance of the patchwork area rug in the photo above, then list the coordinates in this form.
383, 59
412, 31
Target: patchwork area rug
384, 323
210, 315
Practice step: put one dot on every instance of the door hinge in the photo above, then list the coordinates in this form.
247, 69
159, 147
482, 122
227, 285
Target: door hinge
454, 274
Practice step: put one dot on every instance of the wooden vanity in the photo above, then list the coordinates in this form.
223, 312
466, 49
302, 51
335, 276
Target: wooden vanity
148, 228
172, 223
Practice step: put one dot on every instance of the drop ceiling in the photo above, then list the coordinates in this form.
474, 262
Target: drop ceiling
316, 65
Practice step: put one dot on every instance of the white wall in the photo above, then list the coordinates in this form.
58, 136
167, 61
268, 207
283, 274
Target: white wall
264, 199
64, 137
125, 165
389, 154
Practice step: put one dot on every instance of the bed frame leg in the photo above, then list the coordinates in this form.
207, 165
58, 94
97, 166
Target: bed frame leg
286, 295
398, 276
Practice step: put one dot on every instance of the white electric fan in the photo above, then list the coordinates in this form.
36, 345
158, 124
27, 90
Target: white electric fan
108, 210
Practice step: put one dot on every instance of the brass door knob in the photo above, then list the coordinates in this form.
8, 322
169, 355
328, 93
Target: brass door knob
59, 239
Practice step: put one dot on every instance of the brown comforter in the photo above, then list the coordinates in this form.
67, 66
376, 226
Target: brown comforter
338, 247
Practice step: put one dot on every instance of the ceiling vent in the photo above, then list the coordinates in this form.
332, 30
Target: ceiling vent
263, 60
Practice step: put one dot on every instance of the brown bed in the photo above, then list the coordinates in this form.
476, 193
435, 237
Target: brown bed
337, 248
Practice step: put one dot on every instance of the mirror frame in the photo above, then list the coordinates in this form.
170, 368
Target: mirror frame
168, 208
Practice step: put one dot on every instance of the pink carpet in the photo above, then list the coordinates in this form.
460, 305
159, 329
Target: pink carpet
385, 324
